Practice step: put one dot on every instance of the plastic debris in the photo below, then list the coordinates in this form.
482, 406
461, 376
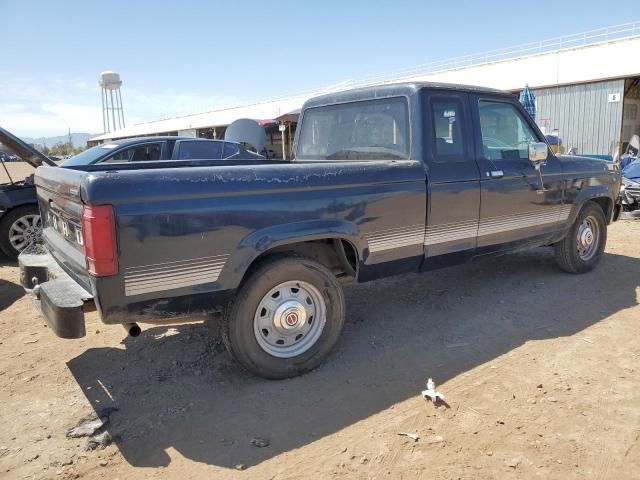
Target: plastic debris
431, 393
99, 440
94, 426
86, 427
410, 435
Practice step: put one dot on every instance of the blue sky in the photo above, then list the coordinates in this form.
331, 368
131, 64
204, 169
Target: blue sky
187, 56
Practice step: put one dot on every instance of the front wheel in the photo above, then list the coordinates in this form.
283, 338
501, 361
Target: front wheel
581, 250
285, 318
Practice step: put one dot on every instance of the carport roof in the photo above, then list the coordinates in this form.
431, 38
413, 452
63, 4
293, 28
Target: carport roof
289, 117
214, 118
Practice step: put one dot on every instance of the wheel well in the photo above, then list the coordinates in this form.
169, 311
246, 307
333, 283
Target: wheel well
11, 209
605, 204
338, 255
17, 206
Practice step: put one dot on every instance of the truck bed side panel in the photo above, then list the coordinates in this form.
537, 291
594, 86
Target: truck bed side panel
185, 232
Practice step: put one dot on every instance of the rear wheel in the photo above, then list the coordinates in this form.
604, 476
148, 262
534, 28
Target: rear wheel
581, 250
20, 228
285, 319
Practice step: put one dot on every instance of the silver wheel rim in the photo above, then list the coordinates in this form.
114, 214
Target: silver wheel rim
25, 231
289, 319
588, 238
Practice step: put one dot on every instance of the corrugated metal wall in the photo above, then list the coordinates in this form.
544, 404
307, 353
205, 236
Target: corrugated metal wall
583, 115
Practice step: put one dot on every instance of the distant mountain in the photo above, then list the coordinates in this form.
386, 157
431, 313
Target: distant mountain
78, 139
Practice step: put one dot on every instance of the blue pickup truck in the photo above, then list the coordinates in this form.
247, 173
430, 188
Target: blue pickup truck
385, 180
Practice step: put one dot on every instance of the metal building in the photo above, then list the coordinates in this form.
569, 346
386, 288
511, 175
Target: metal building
587, 87
588, 117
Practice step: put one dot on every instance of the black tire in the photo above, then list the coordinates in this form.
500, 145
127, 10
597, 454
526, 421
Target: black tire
6, 223
237, 326
566, 251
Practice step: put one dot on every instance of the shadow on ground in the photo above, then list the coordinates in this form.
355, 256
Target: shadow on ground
9, 291
177, 387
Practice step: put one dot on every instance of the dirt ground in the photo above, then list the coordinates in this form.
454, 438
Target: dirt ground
540, 370
17, 171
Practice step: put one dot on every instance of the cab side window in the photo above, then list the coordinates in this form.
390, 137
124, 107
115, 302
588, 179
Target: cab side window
506, 135
448, 135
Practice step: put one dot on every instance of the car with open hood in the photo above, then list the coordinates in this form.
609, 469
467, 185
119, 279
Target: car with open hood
20, 222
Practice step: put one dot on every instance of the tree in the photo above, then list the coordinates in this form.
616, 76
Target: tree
61, 149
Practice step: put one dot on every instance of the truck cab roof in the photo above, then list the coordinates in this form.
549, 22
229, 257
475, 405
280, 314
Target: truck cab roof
396, 89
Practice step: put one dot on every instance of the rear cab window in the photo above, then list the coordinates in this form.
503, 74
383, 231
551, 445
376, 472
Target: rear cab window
361, 130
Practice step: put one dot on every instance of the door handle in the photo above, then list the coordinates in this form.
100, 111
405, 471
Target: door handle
495, 174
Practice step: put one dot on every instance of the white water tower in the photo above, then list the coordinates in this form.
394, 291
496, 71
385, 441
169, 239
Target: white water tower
112, 111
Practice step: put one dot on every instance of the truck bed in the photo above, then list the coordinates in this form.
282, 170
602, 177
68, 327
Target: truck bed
194, 230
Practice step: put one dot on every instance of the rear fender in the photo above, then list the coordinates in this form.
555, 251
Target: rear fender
263, 240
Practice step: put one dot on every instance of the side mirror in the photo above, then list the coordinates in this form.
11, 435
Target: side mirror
538, 152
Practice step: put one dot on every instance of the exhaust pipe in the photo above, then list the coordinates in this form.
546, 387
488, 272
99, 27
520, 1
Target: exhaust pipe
132, 329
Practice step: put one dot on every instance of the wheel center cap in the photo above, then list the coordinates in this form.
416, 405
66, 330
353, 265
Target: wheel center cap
289, 317
587, 237
31, 234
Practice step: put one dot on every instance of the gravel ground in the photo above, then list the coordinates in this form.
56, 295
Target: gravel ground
540, 370
17, 171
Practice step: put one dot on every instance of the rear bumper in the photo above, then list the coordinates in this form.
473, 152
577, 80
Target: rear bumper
60, 299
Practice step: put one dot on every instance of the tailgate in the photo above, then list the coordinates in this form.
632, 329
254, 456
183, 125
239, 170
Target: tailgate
58, 191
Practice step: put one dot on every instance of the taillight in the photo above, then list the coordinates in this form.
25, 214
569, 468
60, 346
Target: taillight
99, 236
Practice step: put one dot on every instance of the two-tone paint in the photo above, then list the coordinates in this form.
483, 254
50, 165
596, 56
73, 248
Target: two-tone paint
188, 235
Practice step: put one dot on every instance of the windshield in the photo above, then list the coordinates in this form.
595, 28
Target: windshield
363, 130
89, 156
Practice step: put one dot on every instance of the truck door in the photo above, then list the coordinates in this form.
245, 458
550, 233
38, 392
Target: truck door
453, 179
515, 207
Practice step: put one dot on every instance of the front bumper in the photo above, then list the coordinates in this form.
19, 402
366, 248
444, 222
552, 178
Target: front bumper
60, 299
630, 194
